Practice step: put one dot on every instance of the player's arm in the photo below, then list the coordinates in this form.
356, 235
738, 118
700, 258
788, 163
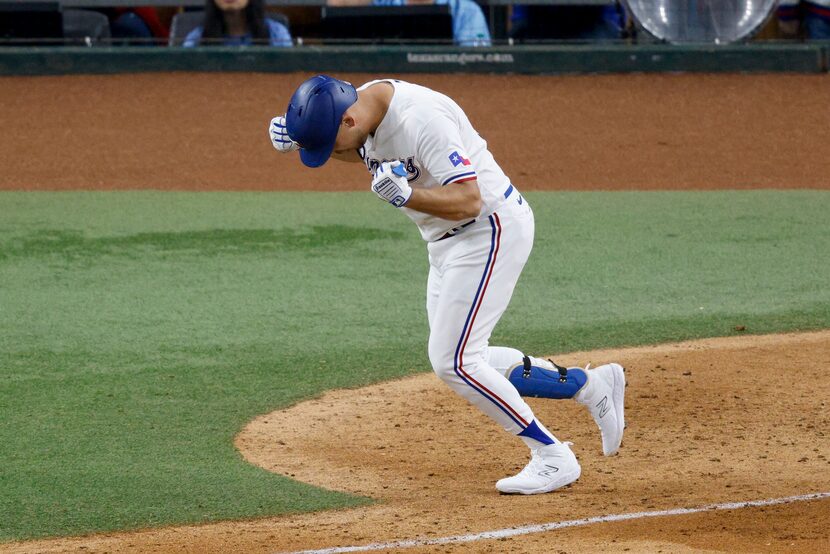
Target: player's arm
441, 150
454, 202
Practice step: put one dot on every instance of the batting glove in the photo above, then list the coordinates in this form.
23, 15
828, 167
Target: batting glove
279, 136
390, 184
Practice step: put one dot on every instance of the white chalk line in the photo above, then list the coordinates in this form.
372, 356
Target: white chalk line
543, 527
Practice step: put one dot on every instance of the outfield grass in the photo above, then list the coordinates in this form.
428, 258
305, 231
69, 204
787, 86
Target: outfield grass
139, 331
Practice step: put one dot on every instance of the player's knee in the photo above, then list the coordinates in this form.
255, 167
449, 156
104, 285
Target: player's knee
442, 368
446, 362
441, 359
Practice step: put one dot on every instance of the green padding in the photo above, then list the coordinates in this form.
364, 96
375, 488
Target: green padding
548, 59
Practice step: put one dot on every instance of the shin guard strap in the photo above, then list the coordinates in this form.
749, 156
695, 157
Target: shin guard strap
526, 365
563, 371
535, 381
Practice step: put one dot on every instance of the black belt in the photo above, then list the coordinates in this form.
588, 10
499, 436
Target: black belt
454, 231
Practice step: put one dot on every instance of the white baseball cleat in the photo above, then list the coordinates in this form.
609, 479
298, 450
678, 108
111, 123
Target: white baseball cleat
604, 396
551, 467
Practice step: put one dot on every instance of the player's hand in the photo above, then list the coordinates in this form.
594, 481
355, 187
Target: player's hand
279, 136
390, 183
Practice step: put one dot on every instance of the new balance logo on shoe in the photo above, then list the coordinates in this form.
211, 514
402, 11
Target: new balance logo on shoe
549, 471
603, 406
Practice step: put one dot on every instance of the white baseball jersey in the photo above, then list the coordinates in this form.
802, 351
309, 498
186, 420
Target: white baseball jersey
430, 134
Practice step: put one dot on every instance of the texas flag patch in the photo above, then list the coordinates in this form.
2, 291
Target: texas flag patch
457, 159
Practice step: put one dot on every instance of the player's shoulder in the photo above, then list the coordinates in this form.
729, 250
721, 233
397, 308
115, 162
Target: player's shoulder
415, 109
419, 91
406, 89
422, 103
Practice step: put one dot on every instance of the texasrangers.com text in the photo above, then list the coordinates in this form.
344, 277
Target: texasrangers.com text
460, 59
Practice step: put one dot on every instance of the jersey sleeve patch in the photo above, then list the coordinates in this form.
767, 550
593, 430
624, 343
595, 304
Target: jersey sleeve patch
462, 167
458, 159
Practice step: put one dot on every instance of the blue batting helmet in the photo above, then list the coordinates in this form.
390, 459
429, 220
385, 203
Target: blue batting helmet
314, 114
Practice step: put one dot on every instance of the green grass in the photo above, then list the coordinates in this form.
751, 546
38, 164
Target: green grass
140, 331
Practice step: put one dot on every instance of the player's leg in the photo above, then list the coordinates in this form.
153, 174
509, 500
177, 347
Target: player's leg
477, 278
433, 291
455, 333
601, 390
468, 290
513, 364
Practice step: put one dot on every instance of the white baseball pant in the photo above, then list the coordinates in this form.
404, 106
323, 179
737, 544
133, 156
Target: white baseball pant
471, 280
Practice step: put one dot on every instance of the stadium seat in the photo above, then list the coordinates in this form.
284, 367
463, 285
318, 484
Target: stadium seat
185, 22
388, 23
29, 21
85, 26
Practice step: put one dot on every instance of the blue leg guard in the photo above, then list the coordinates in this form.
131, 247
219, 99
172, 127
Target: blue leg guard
535, 381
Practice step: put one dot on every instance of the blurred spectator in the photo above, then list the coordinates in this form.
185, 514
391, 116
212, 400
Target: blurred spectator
797, 18
568, 22
137, 25
469, 27
238, 23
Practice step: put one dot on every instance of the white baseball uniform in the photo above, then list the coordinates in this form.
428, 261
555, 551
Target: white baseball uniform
474, 264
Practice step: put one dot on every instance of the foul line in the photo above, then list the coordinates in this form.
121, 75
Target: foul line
541, 528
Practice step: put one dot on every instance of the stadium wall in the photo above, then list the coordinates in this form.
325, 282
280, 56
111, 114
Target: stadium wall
525, 59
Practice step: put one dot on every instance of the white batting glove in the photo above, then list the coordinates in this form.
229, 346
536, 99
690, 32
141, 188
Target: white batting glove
390, 183
279, 136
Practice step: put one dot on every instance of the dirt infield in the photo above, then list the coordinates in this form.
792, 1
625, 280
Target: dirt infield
708, 422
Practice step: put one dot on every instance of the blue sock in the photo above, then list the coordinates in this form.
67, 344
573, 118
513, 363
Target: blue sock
533, 431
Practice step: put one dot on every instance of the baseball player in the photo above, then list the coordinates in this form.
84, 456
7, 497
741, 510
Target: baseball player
427, 161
